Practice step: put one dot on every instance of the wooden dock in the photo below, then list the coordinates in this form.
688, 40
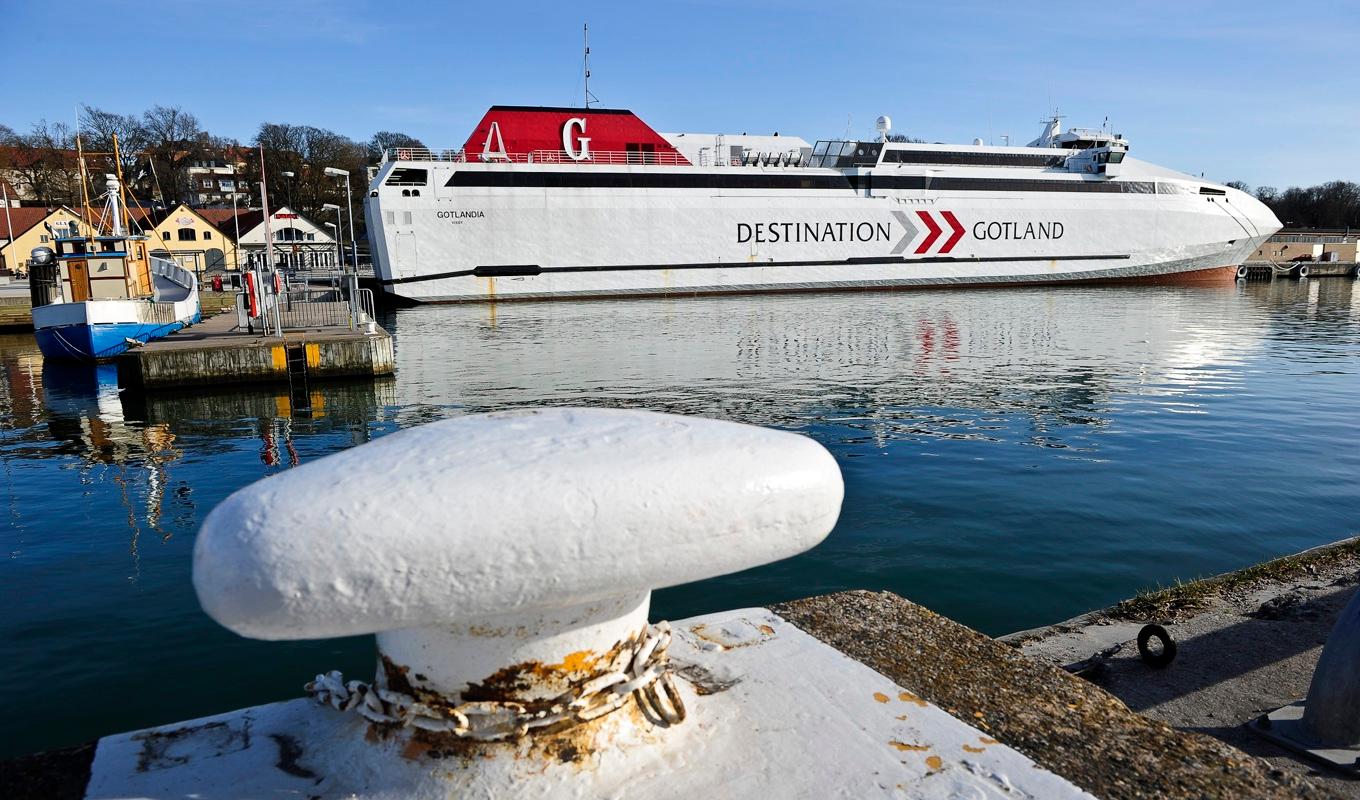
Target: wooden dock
216, 353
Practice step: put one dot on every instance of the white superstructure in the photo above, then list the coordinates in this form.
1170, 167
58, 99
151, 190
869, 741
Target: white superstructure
545, 202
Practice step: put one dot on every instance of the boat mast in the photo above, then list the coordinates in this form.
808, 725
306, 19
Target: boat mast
85, 211
122, 193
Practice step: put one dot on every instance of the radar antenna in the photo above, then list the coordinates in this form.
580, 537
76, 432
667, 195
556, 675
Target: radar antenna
585, 65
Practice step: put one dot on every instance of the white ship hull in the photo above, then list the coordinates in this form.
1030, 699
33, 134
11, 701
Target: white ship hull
485, 231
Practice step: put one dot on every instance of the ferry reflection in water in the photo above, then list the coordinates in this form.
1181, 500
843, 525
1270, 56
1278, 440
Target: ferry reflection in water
1012, 457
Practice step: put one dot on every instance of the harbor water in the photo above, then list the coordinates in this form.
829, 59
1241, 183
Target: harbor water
1012, 457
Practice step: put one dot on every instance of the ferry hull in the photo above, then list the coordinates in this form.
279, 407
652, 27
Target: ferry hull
514, 244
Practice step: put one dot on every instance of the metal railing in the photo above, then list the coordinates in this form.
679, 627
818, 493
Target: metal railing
537, 157
334, 306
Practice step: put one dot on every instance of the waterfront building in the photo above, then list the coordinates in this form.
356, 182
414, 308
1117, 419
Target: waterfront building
190, 238
22, 229
299, 243
1310, 244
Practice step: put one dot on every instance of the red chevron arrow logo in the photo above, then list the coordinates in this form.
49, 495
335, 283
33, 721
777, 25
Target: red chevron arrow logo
934, 229
958, 231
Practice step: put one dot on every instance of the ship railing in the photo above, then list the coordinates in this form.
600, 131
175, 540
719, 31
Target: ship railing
537, 157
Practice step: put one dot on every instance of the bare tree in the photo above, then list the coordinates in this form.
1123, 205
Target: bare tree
43, 162
386, 140
306, 152
98, 127
174, 141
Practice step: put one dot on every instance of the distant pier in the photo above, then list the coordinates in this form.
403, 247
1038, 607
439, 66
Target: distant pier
216, 352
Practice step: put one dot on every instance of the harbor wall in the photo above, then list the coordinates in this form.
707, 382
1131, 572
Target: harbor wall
255, 361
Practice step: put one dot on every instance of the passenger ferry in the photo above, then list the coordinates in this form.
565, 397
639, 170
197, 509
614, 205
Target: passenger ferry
572, 202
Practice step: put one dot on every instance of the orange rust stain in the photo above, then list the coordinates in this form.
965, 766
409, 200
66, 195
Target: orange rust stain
935, 762
767, 630
908, 697
973, 749
987, 740
900, 716
880, 697
915, 748
580, 661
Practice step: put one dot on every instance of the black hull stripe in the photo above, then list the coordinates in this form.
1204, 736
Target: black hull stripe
737, 179
518, 270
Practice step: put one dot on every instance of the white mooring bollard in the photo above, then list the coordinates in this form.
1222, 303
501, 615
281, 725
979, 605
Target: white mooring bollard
506, 562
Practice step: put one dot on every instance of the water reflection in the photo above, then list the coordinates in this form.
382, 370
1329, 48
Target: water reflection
897, 366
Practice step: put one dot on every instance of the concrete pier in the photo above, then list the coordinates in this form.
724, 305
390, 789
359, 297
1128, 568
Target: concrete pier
215, 353
1247, 643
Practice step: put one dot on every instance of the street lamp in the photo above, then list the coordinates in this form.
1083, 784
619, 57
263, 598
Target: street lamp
292, 179
339, 232
336, 172
236, 220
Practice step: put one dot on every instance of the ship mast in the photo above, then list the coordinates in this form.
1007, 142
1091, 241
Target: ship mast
585, 64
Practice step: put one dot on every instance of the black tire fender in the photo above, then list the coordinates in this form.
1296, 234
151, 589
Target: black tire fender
1156, 660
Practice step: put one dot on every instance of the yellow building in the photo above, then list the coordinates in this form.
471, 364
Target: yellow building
191, 240
22, 229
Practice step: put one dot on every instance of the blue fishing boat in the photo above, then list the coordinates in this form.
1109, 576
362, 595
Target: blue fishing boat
101, 291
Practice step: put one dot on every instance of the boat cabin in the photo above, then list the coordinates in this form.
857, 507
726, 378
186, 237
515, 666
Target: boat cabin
100, 267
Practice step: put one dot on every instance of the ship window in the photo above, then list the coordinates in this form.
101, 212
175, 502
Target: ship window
188, 235
974, 159
406, 217
391, 217
408, 176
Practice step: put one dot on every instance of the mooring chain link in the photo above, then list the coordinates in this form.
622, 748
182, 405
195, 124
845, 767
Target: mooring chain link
638, 671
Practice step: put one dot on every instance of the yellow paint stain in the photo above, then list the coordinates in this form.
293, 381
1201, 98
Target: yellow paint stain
908, 697
279, 358
987, 740
912, 748
972, 749
313, 355
880, 697
935, 762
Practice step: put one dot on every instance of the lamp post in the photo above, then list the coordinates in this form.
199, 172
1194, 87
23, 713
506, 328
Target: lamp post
339, 232
236, 220
349, 208
292, 179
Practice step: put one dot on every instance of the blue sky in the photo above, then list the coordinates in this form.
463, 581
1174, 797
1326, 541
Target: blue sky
1265, 92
